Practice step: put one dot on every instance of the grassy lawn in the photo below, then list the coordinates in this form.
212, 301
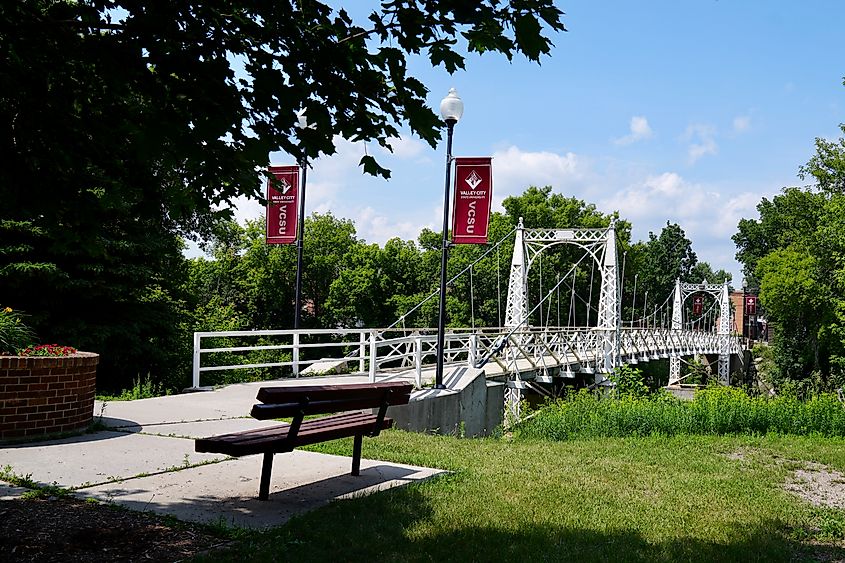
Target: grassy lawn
610, 499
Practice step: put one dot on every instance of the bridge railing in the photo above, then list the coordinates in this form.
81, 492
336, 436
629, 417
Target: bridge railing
257, 349
395, 352
377, 352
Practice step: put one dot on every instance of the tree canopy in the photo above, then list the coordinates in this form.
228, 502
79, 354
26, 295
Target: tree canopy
202, 92
795, 254
124, 125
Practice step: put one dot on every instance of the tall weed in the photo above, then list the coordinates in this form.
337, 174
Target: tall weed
714, 410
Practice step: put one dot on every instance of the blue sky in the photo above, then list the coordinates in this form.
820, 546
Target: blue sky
687, 112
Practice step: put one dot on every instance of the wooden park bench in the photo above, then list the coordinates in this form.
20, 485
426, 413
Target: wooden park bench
349, 402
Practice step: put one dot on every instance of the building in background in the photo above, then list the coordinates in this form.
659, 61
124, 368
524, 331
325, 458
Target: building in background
749, 319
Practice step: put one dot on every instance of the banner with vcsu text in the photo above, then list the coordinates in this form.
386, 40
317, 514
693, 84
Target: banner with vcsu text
281, 204
473, 195
697, 305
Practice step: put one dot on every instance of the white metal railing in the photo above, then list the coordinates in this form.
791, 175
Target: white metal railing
285, 340
394, 352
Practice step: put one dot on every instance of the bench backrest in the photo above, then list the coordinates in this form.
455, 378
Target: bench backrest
280, 402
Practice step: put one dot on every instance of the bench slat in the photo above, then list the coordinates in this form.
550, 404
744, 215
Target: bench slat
281, 432
294, 393
353, 403
274, 439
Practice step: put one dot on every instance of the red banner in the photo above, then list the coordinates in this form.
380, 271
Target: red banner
750, 305
697, 305
281, 205
473, 195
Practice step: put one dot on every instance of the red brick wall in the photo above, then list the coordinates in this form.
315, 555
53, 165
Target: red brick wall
43, 395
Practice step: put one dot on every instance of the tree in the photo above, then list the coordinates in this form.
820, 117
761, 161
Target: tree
213, 87
704, 271
134, 120
790, 218
798, 298
796, 252
663, 259
827, 166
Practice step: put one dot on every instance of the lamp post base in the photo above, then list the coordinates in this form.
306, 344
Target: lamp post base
439, 386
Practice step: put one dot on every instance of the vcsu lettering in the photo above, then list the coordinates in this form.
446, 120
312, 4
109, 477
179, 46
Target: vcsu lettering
473, 195
281, 216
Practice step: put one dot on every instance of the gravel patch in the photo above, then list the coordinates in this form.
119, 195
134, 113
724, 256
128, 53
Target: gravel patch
818, 485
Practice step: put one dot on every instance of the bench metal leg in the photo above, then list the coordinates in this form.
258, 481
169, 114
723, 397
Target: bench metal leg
356, 455
266, 470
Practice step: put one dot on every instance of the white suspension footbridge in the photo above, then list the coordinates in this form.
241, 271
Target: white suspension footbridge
527, 357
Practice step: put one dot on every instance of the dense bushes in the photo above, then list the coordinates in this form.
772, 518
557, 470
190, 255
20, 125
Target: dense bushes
714, 410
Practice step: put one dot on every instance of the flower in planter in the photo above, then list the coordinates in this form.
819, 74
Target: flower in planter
14, 333
47, 350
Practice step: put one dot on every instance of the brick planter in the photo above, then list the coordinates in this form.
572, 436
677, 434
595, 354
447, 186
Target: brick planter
46, 395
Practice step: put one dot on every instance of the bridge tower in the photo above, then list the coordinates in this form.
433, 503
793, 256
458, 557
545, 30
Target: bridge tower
720, 292
600, 244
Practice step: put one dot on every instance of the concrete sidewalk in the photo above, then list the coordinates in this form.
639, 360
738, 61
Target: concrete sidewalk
146, 461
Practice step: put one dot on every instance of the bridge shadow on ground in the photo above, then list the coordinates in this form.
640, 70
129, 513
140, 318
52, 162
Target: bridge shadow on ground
401, 525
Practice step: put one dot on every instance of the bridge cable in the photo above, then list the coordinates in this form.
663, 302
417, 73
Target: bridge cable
590, 302
541, 288
452, 280
646, 319
503, 339
558, 299
499, 286
471, 298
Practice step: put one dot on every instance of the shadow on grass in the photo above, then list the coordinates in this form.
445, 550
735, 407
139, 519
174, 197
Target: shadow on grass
226, 494
401, 525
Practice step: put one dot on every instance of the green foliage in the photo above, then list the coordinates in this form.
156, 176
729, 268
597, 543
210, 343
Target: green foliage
142, 388
790, 218
795, 251
131, 123
35, 489
660, 261
827, 166
14, 333
714, 410
629, 382
696, 372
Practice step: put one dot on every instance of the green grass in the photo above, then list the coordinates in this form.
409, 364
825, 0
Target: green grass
717, 411
36, 490
614, 499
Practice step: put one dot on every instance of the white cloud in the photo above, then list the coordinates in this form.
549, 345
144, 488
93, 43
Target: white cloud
514, 170
406, 147
742, 123
640, 130
702, 139
412, 199
373, 226
709, 214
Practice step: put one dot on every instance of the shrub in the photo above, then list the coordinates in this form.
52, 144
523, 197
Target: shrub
714, 410
629, 382
14, 333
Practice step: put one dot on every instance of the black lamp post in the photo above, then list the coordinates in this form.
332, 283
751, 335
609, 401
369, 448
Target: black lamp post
303, 163
451, 110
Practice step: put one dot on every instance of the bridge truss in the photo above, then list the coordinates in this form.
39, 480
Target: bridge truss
525, 355
720, 292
